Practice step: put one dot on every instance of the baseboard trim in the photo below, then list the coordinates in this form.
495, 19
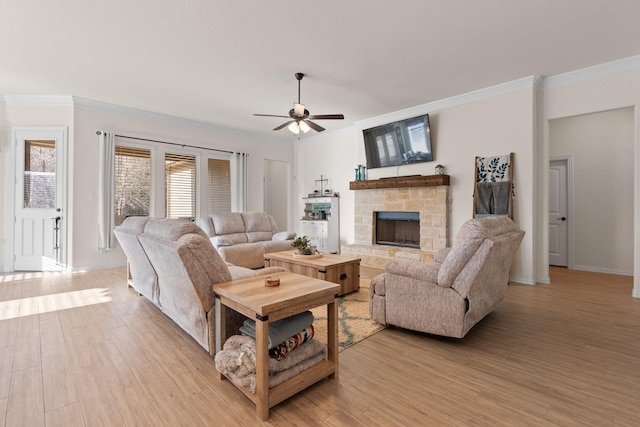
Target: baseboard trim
523, 281
602, 270
94, 267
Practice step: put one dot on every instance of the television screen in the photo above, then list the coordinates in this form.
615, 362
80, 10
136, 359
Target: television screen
399, 143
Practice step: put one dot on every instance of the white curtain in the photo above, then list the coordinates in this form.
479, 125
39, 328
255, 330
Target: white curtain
239, 184
106, 191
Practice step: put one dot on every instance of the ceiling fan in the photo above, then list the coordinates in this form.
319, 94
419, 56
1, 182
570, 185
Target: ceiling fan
300, 117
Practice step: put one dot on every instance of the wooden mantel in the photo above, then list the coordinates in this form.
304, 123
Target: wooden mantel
400, 182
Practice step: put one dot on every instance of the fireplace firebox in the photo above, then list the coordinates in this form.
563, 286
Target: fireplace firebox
397, 229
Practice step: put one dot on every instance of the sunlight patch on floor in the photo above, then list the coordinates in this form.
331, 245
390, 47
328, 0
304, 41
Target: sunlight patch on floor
47, 303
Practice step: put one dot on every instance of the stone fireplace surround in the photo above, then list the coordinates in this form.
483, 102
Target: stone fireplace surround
428, 195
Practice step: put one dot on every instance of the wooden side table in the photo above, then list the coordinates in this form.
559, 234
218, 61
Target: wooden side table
330, 267
295, 294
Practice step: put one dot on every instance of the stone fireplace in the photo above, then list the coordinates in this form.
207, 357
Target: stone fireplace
428, 196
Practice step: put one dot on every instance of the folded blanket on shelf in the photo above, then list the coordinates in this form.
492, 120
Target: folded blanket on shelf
281, 329
237, 361
280, 351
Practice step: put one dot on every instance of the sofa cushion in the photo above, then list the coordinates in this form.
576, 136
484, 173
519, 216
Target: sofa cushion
257, 226
256, 221
249, 255
258, 236
227, 223
218, 241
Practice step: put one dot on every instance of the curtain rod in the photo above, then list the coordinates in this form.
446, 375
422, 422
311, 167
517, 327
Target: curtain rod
170, 143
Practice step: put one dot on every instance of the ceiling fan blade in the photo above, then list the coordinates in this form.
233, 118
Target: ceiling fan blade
285, 124
271, 115
327, 117
314, 126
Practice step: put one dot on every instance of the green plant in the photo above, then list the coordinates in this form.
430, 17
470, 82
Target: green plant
302, 245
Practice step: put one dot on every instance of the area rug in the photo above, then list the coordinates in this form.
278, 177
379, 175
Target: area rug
355, 323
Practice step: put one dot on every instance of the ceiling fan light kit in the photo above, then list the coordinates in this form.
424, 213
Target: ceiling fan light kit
300, 117
296, 127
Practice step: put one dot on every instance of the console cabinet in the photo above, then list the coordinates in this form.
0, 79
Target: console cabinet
321, 223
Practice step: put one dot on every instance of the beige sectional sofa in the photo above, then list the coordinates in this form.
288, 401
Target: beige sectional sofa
242, 238
174, 264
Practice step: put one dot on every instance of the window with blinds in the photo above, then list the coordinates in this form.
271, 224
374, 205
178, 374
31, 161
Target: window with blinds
180, 180
132, 182
219, 186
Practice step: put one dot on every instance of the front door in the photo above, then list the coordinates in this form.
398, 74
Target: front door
558, 213
39, 199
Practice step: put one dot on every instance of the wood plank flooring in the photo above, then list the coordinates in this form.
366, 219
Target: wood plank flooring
84, 350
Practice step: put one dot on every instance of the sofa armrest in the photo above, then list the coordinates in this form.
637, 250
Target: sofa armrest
424, 271
238, 273
284, 235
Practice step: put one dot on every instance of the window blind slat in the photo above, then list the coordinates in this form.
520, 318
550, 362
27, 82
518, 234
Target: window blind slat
219, 186
180, 179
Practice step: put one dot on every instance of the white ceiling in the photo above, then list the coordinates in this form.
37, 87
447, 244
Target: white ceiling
221, 61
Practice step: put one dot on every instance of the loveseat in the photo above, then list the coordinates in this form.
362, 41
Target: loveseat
242, 238
187, 266
449, 295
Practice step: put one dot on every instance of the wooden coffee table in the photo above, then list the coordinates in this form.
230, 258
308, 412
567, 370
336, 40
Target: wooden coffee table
295, 294
330, 267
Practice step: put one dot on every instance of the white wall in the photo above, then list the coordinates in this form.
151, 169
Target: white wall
601, 149
84, 118
277, 192
606, 87
5, 187
333, 156
497, 122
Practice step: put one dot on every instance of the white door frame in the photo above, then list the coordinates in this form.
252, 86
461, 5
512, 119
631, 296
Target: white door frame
41, 132
568, 162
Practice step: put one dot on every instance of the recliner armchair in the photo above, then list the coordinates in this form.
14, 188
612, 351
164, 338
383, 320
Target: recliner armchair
449, 295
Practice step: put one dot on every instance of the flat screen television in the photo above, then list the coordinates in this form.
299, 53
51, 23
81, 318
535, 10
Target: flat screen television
399, 143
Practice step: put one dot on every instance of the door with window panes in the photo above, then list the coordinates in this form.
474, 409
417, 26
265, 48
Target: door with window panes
39, 199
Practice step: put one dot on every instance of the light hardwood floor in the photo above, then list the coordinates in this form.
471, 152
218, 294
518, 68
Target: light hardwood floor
82, 349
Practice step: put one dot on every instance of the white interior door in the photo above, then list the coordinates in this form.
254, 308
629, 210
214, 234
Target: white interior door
39, 199
558, 213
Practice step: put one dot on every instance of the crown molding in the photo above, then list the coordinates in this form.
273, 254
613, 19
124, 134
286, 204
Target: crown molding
135, 112
80, 102
525, 83
592, 73
39, 100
